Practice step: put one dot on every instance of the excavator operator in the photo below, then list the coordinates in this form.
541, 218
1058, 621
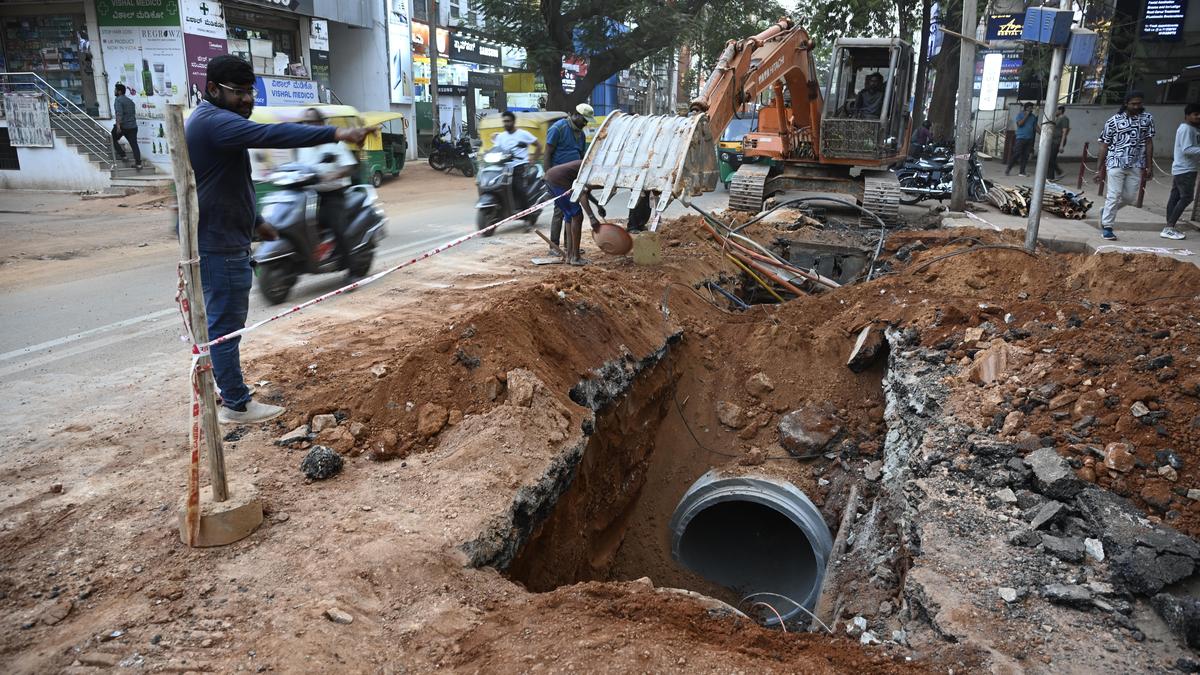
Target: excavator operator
869, 102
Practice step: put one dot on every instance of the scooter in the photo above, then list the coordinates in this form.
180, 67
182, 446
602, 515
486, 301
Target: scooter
507, 185
302, 246
446, 155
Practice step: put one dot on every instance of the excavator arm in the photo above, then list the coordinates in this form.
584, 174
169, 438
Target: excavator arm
671, 156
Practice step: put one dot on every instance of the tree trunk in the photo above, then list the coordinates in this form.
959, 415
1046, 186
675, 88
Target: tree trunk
922, 66
945, 89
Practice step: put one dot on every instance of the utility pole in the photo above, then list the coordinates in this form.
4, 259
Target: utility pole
433, 69
962, 118
1043, 159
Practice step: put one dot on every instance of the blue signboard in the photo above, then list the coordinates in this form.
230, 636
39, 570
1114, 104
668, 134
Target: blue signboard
935, 31
284, 91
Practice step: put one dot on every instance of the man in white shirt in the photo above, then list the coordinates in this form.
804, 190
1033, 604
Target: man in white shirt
511, 139
335, 163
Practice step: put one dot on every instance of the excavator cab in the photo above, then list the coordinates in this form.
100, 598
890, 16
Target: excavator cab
866, 117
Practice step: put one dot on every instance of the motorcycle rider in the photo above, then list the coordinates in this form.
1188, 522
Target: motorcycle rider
517, 143
335, 163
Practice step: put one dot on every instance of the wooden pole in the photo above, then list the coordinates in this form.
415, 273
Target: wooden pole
189, 217
432, 50
962, 116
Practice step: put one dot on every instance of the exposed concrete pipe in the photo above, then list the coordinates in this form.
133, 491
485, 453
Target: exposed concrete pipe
753, 535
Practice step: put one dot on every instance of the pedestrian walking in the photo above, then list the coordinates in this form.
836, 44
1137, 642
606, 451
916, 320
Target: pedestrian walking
1026, 123
1126, 157
1058, 142
566, 142
218, 137
125, 126
1183, 169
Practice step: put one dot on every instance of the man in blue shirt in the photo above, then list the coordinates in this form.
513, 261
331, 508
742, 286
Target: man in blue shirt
218, 136
565, 142
1026, 123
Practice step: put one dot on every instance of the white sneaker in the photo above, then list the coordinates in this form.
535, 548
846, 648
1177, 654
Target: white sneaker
1171, 233
254, 413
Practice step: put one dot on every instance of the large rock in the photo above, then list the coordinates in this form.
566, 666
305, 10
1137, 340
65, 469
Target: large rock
1068, 594
1067, 549
807, 431
1182, 615
321, 463
1144, 556
1119, 457
995, 362
322, 422
430, 419
731, 415
759, 385
1052, 475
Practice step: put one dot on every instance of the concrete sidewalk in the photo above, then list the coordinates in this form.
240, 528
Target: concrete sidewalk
1137, 229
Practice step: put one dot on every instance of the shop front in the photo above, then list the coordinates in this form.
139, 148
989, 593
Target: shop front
52, 40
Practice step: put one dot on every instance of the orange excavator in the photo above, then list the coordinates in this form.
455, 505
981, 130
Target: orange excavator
840, 142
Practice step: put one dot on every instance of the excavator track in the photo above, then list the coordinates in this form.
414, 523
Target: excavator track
747, 187
881, 196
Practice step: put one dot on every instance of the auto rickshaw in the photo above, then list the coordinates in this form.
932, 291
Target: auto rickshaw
729, 148
536, 123
384, 151
381, 153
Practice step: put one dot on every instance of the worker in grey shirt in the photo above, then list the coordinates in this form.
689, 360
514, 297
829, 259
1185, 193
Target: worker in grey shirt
125, 124
1184, 169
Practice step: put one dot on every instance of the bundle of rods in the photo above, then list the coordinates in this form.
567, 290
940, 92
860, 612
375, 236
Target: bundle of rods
1055, 199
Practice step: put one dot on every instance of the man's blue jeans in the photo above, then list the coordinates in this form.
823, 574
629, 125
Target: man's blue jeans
227, 279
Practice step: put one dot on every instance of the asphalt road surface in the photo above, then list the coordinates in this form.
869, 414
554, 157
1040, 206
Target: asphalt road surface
87, 287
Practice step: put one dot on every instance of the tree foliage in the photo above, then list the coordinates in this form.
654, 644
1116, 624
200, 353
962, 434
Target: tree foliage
612, 34
719, 22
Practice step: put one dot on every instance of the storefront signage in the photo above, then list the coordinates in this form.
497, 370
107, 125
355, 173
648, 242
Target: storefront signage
137, 12
935, 31
990, 81
469, 47
487, 81
1010, 71
143, 46
202, 17
1005, 26
284, 91
1163, 19
28, 121
318, 35
420, 40
400, 52
299, 6
204, 38
574, 67
451, 90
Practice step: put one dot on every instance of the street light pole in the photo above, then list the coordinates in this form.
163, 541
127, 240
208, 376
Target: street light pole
1043, 160
962, 117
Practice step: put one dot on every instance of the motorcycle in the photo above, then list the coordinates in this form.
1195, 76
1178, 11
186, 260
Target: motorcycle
446, 155
507, 185
302, 246
933, 178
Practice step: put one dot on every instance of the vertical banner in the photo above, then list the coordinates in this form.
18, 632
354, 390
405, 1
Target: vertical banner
143, 49
400, 52
990, 84
318, 52
204, 38
28, 118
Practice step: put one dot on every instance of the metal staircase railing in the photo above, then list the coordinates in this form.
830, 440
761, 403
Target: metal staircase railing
84, 131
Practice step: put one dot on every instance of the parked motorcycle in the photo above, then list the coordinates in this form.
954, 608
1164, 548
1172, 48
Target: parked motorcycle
507, 185
932, 178
302, 246
447, 155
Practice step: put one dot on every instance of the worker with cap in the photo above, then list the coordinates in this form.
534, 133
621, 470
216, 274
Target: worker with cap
218, 138
565, 142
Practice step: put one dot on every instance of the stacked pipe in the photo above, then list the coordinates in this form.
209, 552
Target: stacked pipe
1056, 199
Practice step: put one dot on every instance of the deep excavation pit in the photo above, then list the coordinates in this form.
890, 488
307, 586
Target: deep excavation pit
646, 497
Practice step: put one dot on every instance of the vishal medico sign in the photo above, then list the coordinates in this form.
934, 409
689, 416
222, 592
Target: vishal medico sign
1005, 26
285, 91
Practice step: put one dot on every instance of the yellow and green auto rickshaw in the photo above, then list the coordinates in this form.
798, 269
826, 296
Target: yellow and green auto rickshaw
536, 123
384, 151
381, 153
729, 148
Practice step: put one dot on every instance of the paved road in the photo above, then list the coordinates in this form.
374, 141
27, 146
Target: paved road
109, 307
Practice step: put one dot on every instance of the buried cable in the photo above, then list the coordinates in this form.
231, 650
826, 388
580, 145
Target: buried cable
794, 603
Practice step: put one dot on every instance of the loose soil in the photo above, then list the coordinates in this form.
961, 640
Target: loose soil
456, 407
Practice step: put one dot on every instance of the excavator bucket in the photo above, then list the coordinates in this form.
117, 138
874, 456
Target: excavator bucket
667, 155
